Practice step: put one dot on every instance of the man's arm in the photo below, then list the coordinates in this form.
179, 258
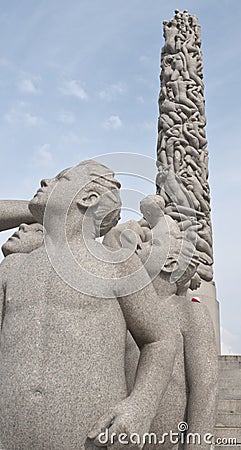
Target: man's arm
152, 325
201, 364
1, 302
3, 268
13, 213
154, 330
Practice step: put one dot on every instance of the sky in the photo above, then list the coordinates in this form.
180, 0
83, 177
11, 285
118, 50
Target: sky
81, 78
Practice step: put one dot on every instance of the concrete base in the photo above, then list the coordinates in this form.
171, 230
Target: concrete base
228, 423
207, 295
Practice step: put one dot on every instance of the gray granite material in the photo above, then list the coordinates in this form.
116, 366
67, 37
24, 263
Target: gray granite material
25, 240
62, 351
100, 336
195, 369
13, 213
182, 155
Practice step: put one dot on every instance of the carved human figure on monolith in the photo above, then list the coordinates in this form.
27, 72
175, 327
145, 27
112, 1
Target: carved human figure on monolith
181, 102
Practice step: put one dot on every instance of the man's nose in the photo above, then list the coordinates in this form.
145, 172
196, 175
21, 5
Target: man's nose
44, 182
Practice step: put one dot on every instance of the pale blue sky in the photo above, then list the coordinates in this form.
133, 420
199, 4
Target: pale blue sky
81, 78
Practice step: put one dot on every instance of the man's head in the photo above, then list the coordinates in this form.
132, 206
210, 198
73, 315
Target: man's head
152, 208
25, 240
89, 186
39, 201
182, 262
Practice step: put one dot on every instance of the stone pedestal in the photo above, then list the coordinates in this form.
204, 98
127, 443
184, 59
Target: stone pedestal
207, 295
228, 423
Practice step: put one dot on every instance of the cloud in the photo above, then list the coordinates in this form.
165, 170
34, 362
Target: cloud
10, 116
43, 156
112, 91
73, 88
31, 120
114, 122
70, 139
28, 86
149, 126
15, 116
4, 62
67, 117
230, 342
144, 59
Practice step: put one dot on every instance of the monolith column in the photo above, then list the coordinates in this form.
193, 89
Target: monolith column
182, 155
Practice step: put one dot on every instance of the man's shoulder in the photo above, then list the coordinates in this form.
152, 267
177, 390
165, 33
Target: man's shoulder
113, 237
10, 263
13, 259
129, 261
132, 276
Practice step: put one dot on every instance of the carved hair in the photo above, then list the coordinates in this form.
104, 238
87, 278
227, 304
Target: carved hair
102, 180
157, 199
100, 175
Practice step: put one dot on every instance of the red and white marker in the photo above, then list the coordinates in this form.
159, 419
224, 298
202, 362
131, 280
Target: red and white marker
196, 300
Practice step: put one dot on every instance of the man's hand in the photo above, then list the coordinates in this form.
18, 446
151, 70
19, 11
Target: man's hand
122, 427
130, 239
195, 282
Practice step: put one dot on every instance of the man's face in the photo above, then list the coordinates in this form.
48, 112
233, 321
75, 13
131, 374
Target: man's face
111, 211
39, 201
25, 240
148, 210
145, 209
73, 190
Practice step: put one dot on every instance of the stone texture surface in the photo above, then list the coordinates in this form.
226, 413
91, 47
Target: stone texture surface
25, 240
183, 385
228, 421
62, 355
182, 156
194, 376
207, 293
14, 212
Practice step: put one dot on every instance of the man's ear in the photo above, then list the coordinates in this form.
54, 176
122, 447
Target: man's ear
87, 199
170, 265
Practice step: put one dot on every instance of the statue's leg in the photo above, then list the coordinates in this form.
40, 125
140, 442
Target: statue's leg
89, 445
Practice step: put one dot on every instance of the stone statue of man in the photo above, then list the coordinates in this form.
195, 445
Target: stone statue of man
25, 240
62, 375
195, 370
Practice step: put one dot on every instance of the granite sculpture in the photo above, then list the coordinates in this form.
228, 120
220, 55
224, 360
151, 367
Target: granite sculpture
57, 343
195, 370
99, 336
25, 240
182, 155
13, 213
